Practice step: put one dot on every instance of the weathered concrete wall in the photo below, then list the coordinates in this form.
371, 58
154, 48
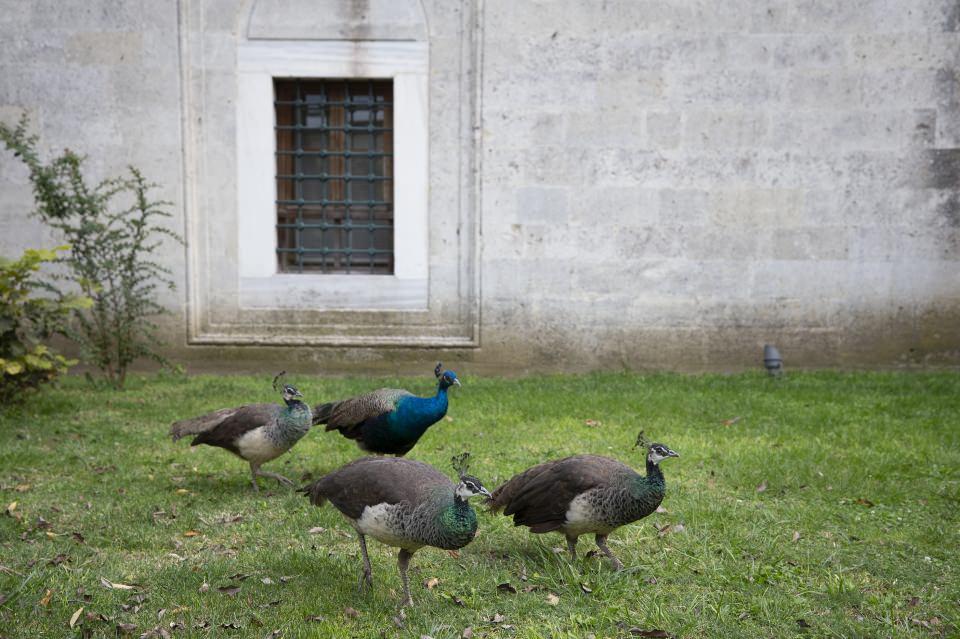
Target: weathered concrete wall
662, 184
673, 183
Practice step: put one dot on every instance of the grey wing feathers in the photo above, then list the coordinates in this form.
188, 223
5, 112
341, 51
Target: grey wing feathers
376, 480
540, 496
226, 422
356, 410
197, 425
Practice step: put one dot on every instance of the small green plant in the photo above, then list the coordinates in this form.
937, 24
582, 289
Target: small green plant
30, 313
112, 231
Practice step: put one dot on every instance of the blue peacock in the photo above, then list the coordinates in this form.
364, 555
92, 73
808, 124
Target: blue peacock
388, 421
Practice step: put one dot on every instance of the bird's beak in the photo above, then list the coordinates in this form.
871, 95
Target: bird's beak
485, 492
457, 382
672, 453
299, 394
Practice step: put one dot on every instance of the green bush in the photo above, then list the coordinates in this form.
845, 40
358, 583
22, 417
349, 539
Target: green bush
31, 312
112, 232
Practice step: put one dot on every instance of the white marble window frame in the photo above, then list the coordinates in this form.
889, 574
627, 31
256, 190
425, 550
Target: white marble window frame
261, 286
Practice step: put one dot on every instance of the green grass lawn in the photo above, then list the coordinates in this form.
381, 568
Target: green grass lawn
822, 504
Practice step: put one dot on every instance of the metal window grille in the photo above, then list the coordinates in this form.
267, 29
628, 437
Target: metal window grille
334, 175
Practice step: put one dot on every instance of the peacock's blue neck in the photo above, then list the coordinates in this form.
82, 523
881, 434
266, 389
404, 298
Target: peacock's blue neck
415, 414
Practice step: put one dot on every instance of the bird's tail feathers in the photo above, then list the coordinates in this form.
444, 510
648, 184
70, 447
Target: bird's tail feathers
322, 412
198, 425
314, 493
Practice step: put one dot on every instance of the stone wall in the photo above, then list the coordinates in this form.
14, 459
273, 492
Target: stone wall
655, 184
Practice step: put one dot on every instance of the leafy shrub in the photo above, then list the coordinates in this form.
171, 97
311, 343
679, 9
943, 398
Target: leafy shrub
27, 318
112, 231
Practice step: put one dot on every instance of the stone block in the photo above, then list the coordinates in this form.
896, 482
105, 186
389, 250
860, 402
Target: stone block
753, 208
724, 130
104, 48
538, 204
664, 129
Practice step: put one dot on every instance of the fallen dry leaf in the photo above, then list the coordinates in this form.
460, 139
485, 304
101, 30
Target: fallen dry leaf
913, 602
731, 421
585, 588
192, 533
865, 502
663, 531
316, 530
803, 623
182, 491
126, 628
593, 423
230, 591
431, 583
762, 486
507, 587
316, 618
454, 553
106, 583
77, 537
639, 632
203, 587
76, 615
59, 559
45, 600
22, 488
12, 511
266, 580
497, 618
662, 510
274, 634
467, 633
552, 599
351, 612
796, 536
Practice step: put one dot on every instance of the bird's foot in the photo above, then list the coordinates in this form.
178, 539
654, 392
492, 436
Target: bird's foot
365, 583
617, 564
280, 478
407, 602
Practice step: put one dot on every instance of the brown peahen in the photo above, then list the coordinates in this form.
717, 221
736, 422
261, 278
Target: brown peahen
584, 494
256, 433
402, 503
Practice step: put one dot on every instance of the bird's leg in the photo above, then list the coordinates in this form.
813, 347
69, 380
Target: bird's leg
366, 577
254, 471
403, 561
280, 478
602, 545
572, 547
